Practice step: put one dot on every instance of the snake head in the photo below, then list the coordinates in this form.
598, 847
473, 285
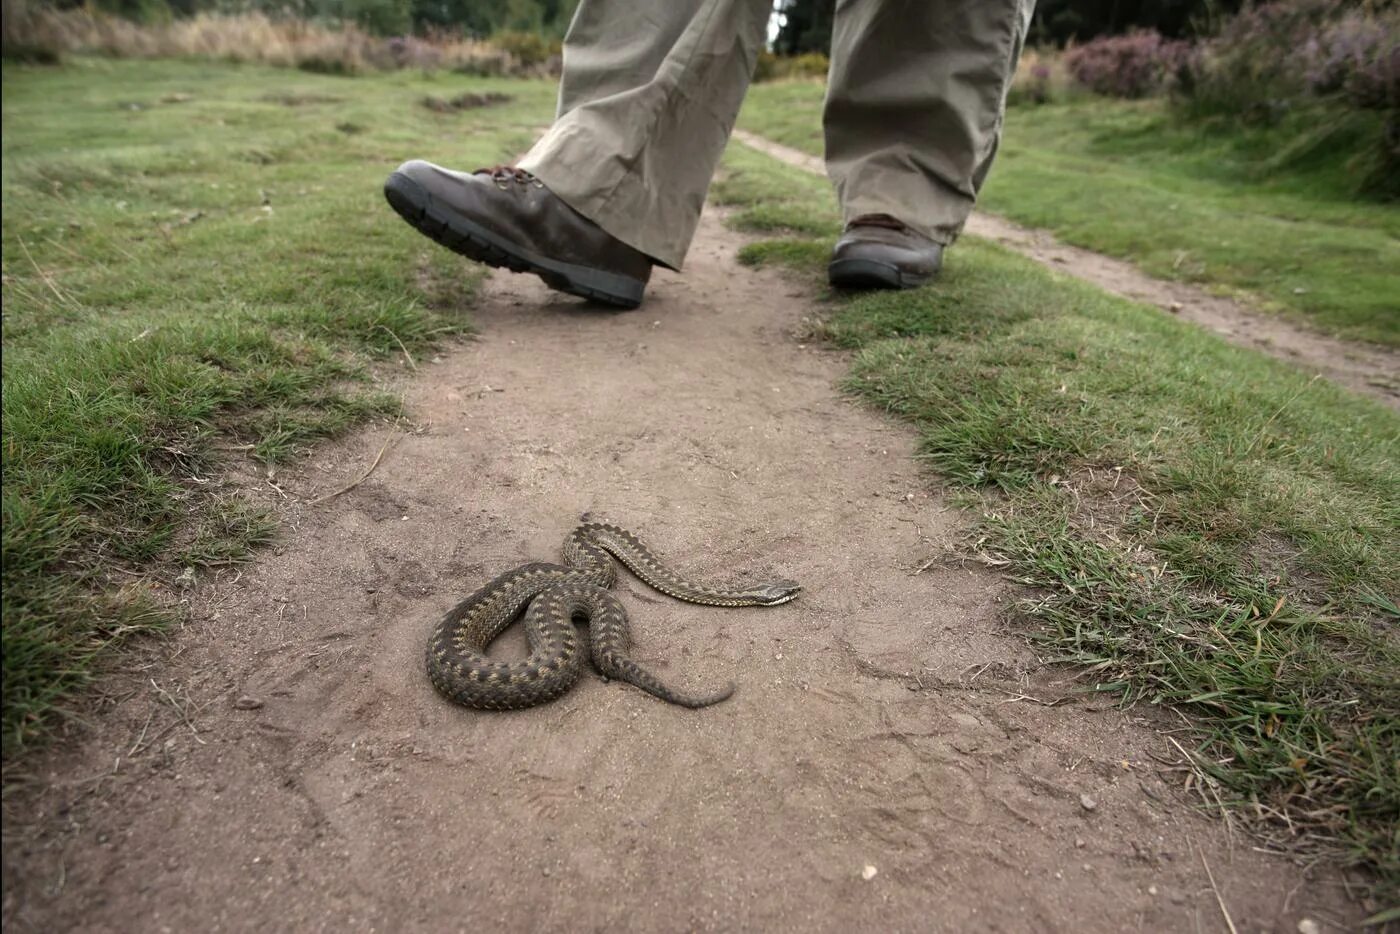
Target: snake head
775, 592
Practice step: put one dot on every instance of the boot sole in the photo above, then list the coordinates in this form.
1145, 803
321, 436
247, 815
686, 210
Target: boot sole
413, 203
868, 274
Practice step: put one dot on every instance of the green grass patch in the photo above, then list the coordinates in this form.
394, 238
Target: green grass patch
1200, 525
1246, 211
197, 258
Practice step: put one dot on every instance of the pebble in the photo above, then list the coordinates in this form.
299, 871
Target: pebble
1152, 890
1088, 803
868, 872
1309, 926
247, 703
1079, 843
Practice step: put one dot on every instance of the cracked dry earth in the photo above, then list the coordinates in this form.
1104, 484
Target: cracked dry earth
888, 763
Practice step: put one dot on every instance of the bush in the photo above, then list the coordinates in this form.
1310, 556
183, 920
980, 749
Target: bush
1329, 67
1251, 69
381, 17
1136, 65
1358, 56
772, 67
1039, 79
410, 52
21, 41
530, 49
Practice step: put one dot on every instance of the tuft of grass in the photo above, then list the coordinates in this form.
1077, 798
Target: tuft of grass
1202, 526
1247, 210
168, 297
225, 532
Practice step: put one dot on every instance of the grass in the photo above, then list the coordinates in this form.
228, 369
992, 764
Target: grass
1225, 210
1199, 525
197, 258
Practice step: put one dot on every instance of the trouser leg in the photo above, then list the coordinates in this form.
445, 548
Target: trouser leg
650, 92
914, 105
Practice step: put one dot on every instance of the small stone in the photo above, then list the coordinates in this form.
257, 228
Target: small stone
546, 872
1152, 890
1079, 843
1088, 803
1309, 926
868, 872
247, 703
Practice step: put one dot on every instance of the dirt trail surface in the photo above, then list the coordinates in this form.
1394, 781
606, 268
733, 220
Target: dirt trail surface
1369, 369
892, 760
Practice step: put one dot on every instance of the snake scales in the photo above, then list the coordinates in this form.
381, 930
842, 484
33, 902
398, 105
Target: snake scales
556, 595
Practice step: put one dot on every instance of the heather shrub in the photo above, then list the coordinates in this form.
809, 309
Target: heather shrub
1357, 56
1251, 69
1327, 70
1135, 65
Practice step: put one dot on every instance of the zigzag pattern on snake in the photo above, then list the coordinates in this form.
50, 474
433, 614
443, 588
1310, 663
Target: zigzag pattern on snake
553, 596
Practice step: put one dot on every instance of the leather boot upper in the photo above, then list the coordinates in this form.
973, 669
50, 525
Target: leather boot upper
516, 206
884, 241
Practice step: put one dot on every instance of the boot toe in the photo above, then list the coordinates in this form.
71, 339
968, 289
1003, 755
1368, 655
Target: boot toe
858, 263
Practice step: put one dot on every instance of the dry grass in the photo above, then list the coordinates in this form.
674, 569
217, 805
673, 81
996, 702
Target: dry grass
1041, 77
41, 33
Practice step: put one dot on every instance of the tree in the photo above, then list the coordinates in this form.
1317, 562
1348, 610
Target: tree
806, 24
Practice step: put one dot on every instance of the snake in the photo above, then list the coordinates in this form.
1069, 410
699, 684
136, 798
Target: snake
552, 597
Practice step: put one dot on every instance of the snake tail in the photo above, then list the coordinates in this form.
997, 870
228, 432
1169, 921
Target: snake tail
624, 669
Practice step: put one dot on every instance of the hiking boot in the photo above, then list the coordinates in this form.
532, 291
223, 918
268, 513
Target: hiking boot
506, 217
879, 252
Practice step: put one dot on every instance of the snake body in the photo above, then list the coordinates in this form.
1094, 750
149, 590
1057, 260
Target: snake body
553, 596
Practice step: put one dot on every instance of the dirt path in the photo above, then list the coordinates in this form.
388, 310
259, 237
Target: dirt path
887, 725
1369, 369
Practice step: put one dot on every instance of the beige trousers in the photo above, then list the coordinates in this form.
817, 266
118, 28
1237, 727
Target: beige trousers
651, 89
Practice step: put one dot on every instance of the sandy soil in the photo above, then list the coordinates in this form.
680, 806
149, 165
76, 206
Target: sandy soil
1369, 369
894, 759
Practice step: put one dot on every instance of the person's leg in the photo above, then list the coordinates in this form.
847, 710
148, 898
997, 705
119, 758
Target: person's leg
913, 116
650, 92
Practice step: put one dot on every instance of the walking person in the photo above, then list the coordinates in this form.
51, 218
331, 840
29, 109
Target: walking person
649, 95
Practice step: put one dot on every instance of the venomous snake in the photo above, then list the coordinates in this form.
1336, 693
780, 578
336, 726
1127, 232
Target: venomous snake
556, 595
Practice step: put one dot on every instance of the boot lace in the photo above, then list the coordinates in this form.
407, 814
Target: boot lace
506, 175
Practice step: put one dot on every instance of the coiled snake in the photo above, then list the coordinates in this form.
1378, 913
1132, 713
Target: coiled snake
556, 595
